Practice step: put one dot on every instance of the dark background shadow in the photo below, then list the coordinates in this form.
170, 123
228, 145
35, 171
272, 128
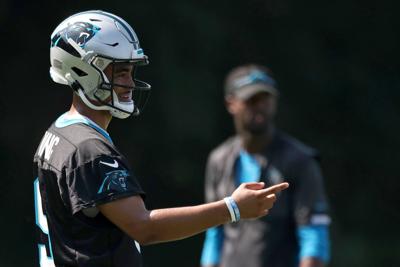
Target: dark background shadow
337, 65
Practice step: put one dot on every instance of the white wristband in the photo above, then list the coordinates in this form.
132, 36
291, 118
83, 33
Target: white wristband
231, 204
235, 209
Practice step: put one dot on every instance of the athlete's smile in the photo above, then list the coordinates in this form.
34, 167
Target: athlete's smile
125, 96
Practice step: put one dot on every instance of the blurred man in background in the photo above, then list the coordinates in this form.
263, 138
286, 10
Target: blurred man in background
296, 232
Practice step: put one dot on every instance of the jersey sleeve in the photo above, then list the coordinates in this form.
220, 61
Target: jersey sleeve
311, 211
314, 242
99, 180
310, 202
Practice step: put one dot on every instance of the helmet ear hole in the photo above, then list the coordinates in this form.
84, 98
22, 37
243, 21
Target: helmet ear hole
79, 72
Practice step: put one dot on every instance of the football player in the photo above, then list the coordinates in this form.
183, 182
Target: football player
90, 207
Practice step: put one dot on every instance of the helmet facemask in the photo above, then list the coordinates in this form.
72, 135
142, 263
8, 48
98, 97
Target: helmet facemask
106, 93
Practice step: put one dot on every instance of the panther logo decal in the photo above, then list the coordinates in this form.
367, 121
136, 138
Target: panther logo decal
79, 32
114, 181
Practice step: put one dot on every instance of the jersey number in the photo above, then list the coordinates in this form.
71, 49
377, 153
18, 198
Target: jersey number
41, 221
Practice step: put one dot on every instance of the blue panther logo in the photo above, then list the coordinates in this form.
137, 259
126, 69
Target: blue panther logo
115, 180
80, 32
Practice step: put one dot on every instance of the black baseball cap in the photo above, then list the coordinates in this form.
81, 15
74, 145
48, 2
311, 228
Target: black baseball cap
246, 81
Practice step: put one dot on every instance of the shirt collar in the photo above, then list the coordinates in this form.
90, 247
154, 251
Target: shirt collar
68, 119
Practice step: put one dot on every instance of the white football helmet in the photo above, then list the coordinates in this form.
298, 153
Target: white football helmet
83, 45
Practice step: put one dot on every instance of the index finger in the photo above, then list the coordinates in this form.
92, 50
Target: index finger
274, 189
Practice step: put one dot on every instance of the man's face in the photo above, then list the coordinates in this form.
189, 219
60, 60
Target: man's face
254, 115
121, 75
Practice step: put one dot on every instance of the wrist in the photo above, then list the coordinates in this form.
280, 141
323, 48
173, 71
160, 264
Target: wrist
232, 208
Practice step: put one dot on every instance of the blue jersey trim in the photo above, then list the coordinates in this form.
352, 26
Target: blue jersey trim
247, 168
36, 195
65, 120
212, 247
45, 231
314, 242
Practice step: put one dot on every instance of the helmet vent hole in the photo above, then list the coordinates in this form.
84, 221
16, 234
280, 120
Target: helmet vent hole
95, 19
57, 64
79, 72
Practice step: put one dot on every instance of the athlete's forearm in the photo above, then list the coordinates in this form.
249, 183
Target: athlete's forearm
155, 226
177, 223
252, 200
249, 200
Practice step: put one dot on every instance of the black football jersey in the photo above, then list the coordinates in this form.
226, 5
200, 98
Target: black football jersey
76, 168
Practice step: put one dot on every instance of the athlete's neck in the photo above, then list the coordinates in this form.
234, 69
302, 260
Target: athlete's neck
100, 117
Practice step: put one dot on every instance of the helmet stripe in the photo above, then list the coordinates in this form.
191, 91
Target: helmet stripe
123, 23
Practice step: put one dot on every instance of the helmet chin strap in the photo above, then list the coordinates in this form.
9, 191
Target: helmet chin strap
119, 114
129, 107
113, 111
88, 103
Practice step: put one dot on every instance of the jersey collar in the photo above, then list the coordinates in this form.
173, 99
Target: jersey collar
66, 120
